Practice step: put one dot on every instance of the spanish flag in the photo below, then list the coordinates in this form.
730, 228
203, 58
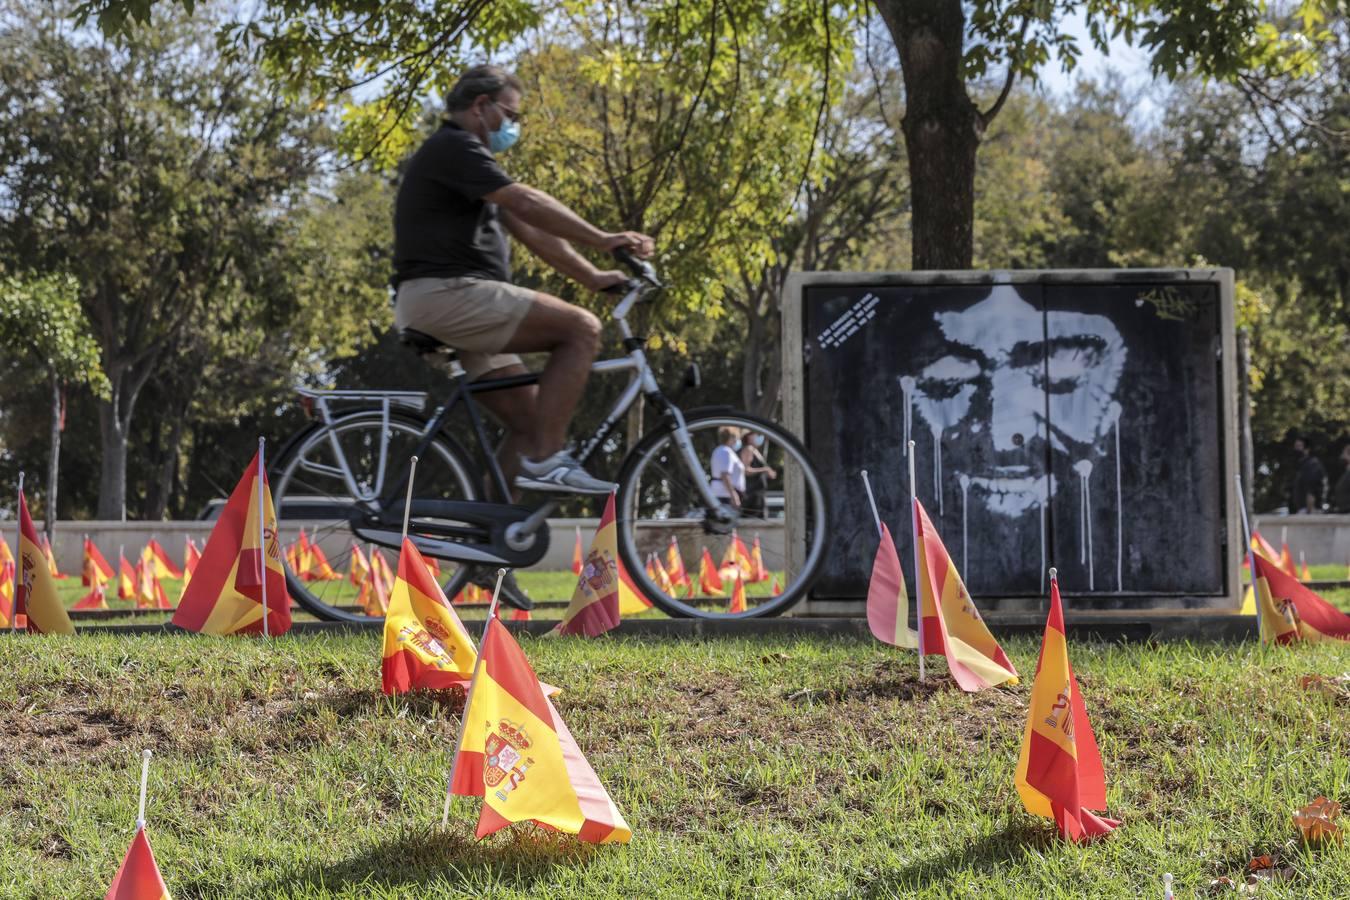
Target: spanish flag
1059, 773
126, 579
191, 556
952, 625
92, 600
631, 599
758, 572
138, 878
45, 546
226, 592
595, 601
737, 603
577, 552
425, 644
6, 594
1287, 560
709, 579
96, 571
36, 603
1291, 612
158, 557
313, 565
377, 585
657, 573
675, 564
149, 591
358, 567
5, 555
515, 752
887, 600
737, 558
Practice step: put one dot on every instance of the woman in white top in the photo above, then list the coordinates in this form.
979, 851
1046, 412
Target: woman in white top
728, 472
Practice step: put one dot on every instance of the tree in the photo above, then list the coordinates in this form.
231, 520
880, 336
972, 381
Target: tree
42, 315
152, 171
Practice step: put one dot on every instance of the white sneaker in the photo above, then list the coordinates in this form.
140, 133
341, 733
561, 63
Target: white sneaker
560, 474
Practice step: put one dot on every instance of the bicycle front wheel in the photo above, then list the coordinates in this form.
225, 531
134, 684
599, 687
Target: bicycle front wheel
691, 566
312, 492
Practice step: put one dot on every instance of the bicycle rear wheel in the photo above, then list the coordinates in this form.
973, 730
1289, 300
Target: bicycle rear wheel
311, 492
775, 553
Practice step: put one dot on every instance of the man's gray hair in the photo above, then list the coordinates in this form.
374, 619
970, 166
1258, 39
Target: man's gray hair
478, 81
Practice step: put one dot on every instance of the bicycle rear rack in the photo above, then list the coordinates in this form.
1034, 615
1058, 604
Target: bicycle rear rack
385, 401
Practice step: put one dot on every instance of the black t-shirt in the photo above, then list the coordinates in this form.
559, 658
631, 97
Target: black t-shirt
442, 226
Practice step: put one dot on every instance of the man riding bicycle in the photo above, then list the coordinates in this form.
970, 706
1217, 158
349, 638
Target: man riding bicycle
453, 275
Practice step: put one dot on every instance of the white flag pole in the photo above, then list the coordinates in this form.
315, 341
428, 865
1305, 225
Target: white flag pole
262, 537
1251, 555
468, 699
872, 501
407, 502
18, 561
1302, 564
145, 776
914, 535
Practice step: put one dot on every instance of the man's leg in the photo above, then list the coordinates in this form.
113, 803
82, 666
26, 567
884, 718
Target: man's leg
571, 336
515, 409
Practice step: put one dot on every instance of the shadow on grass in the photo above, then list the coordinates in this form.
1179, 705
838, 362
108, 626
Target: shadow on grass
1010, 843
349, 702
450, 863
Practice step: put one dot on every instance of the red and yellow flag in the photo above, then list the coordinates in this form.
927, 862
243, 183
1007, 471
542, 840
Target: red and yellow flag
358, 567
138, 878
5, 555
377, 585
50, 557
951, 623
758, 572
311, 563
1287, 560
887, 600
191, 556
6, 593
777, 589
92, 600
595, 601
425, 644
736, 558
737, 602
158, 557
518, 615
96, 570
126, 579
515, 752
149, 590
709, 578
1059, 773
1305, 574
226, 592
1291, 612
37, 606
675, 564
657, 573
631, 599
577, 560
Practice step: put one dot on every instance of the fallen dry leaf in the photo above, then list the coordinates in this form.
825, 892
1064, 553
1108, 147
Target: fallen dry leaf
1337, 688
1316, 822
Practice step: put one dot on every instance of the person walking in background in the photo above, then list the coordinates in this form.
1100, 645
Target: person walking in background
1340, 495
1309, 480
728, 472
758, 474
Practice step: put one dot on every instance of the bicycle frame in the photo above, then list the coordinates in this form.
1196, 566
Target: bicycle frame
388, 495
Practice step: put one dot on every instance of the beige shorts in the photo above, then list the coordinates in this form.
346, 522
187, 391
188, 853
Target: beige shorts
475, 316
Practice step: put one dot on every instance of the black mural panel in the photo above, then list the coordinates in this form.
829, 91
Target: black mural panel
1015, 397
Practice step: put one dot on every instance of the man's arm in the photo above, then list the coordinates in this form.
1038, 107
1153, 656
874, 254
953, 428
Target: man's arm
559, 254
541, 211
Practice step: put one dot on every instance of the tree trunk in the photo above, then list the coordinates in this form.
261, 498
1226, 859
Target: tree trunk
942, 128
54, 463
112, 480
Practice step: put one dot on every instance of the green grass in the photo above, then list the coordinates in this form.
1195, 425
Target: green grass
774, 767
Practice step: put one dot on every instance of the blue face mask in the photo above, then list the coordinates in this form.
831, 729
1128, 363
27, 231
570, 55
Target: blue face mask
505, 136
736, 446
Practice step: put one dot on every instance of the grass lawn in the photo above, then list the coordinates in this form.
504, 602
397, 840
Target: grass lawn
773, 767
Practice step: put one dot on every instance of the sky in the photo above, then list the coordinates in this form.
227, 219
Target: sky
1129, 63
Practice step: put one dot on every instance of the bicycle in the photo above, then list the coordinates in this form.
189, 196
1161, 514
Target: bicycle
346, 475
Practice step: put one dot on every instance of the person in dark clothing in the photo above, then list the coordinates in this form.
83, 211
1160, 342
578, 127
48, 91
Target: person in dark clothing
1309, 480
452, 271
1340, 495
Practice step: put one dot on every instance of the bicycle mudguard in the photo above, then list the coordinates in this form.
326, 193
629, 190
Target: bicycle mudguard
457, 530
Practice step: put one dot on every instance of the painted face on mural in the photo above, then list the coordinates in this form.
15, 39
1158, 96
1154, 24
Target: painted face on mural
1011, 380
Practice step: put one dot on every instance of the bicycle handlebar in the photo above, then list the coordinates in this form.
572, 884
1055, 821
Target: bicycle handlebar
639, 267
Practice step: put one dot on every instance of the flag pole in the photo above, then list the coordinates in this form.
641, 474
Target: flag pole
872, 501
914, 535
262, 537
1251, 555
145, 776
468, 699
18, 562
407, 503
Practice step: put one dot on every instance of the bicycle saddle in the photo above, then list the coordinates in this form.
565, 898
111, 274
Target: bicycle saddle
431, 349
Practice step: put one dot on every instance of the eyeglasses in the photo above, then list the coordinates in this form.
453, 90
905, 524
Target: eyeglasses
514, 115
